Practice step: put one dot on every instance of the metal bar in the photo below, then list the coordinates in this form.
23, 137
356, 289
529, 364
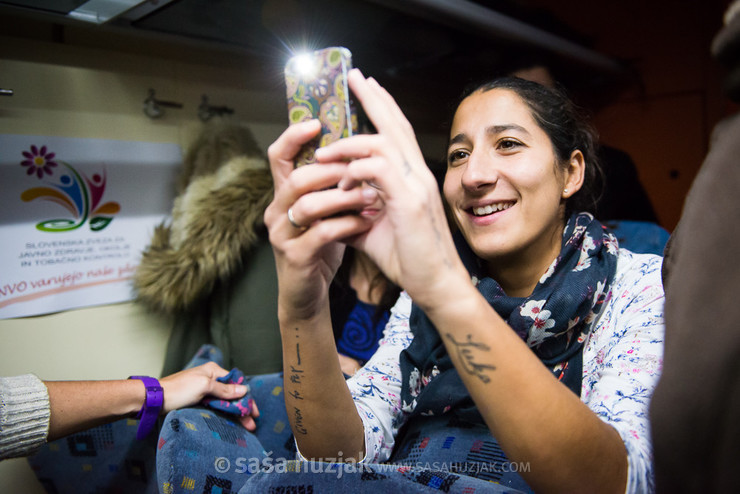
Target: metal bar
466, 14
102, 11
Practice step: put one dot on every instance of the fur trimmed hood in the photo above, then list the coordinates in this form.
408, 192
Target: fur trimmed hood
215, 221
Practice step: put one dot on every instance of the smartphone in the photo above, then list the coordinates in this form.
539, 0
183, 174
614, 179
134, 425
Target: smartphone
316, 86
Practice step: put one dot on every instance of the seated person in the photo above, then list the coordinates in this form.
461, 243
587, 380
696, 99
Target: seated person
361, 299
546, 360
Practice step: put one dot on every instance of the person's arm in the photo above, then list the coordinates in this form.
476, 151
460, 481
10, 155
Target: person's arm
623, 359
535, 418
348, 365
24, 415
322, 414
79, 405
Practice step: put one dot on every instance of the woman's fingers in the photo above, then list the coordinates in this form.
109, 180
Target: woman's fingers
309, 196
378, 103
378, 161
386, 115
282, 152
248, 422
295, 184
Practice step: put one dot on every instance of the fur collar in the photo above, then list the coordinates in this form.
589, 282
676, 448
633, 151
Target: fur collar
215, 221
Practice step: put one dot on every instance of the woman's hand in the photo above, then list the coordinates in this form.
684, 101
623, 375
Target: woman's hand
410, 241
307, 250
189, 387
80, 405
348, 364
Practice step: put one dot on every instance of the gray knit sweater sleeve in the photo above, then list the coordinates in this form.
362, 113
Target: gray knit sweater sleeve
24, 415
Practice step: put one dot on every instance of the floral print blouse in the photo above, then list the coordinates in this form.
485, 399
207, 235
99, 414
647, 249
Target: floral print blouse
622, 361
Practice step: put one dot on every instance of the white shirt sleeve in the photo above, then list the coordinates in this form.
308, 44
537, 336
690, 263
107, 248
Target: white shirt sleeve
621, 366
376, 388
623, 358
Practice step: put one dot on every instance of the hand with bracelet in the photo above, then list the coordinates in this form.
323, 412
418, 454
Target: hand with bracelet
79, 405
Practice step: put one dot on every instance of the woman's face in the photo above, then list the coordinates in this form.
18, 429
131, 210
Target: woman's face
503, 185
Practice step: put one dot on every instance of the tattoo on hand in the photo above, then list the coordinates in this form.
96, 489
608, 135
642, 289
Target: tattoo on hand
464, 351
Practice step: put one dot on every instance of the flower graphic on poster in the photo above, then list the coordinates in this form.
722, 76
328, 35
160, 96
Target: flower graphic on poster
75, 192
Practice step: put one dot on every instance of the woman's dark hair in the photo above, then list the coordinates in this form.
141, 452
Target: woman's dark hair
567, 127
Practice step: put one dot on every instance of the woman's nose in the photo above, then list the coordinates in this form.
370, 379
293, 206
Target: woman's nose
479, 171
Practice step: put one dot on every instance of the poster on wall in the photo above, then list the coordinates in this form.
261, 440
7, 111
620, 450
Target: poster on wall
75, 215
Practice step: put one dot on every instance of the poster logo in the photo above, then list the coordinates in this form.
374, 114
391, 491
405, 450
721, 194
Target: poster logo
77, 193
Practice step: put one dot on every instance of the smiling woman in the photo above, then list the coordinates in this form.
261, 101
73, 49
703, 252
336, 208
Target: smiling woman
546, 360
517, 164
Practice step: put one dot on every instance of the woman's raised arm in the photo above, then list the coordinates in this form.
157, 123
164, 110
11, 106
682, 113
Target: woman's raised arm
305, 232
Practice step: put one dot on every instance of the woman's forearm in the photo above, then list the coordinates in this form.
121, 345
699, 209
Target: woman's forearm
534, 417
321, 411
79, 405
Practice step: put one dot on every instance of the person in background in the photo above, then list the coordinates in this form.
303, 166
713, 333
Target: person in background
33, 411
694, 411
361, 300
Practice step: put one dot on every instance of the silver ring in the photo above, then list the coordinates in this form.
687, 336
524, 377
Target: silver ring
292, 220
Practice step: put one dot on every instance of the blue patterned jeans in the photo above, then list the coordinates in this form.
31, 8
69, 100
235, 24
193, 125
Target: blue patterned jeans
203, 451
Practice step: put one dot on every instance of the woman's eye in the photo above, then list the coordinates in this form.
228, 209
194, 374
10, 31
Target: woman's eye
456, 156
508, 144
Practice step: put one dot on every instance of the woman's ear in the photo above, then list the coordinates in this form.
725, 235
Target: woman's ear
574, 174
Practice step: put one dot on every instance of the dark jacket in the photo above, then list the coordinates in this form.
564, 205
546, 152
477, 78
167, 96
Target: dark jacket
696, 406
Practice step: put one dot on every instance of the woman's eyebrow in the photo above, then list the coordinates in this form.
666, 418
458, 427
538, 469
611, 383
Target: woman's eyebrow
458, 138
492, 130
497, 129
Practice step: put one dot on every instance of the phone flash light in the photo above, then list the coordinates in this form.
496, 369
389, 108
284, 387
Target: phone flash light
304, 64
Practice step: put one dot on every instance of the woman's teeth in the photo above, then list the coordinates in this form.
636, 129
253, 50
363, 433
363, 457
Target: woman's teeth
492, 208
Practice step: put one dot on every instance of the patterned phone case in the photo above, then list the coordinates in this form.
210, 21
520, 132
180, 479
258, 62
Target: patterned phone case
317, 88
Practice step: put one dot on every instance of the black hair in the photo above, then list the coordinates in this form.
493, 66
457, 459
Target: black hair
565, 124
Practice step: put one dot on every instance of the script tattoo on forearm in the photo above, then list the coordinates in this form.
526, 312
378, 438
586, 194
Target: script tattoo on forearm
298, 421
294, 377
465, 353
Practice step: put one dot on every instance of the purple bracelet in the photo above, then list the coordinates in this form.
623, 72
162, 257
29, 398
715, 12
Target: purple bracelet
152, 406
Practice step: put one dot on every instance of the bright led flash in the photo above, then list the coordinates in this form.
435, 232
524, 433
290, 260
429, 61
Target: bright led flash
304, 64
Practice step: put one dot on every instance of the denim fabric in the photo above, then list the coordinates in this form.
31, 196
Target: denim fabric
106, 458
201, 450
436, 454
316, 477
206, 452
